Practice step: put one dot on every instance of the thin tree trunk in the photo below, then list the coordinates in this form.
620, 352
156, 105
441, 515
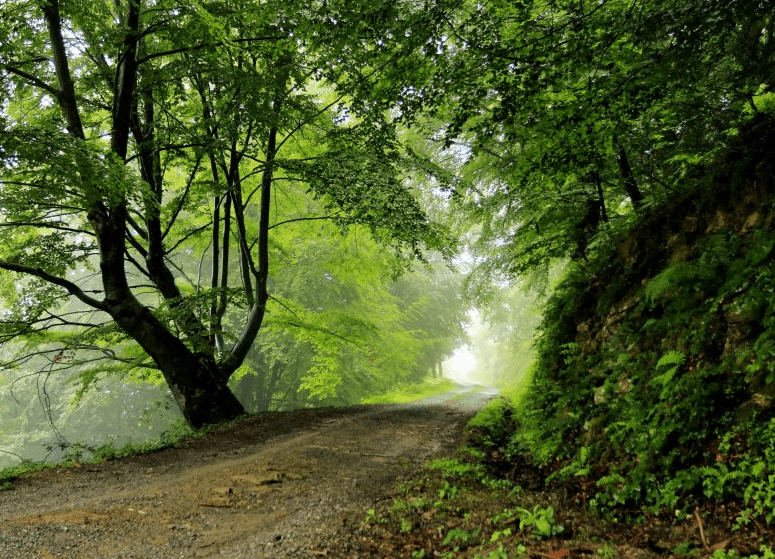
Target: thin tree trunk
628, 178
600, 196
246, 263
261, 296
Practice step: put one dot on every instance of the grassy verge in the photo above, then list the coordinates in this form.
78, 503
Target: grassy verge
412, 392
81, 454
458, 508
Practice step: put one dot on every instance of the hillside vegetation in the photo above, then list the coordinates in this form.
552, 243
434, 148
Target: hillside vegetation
217, 199
655, 376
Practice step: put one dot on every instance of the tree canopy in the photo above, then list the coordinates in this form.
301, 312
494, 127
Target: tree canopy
174, 180
571, 116
142, 143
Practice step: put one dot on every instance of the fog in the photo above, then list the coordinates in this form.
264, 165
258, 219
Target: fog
499, 352
41, 423
461, 367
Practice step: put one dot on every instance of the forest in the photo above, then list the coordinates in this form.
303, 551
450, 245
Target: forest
214, 207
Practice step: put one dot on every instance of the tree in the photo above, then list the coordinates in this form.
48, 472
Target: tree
434, 312
149, 137
336, 330
573, 116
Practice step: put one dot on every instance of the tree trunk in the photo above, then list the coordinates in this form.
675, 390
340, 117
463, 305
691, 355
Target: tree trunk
196, 382
204, 398
628, 178
194, 378
600, 196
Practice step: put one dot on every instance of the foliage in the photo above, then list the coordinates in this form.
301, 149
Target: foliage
45, 417
456, 469
139, 171
492, 424
80, 453
411, 392
566, 119
654, 375
540, 520
339, 327
502, 330
766, 553
456, 508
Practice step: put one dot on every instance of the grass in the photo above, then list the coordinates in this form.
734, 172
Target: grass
79, 454
108, 451
412, 392
457, 511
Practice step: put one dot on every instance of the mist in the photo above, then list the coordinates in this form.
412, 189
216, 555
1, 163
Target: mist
500, 348
43, 421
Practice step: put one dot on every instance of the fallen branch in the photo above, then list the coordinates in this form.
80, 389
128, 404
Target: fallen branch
699, 523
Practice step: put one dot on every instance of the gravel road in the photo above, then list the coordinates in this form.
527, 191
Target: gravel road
290, 484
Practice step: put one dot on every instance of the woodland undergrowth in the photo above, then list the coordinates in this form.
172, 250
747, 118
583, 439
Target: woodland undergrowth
648, 429
653, 387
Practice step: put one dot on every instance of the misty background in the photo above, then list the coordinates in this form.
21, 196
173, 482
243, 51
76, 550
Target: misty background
49, 415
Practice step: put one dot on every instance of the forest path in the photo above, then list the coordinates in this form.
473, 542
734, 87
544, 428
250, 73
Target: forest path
287, 484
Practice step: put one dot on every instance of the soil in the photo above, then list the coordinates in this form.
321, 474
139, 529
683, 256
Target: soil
290, 484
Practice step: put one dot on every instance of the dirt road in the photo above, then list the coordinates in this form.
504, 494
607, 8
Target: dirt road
277, 485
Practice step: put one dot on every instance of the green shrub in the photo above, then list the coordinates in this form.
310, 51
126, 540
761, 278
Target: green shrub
493, 424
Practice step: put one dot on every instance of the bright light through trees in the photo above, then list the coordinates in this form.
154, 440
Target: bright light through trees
461, 367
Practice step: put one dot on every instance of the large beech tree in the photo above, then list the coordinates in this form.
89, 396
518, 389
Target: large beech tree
134, 133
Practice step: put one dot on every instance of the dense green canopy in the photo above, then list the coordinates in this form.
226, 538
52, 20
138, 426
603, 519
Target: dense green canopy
144, 146
176, 180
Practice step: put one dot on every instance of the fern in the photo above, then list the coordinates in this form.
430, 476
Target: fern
612, 479
717, 249
583, 462
758, 468
724, 475
672, 357
578, 466
675, 278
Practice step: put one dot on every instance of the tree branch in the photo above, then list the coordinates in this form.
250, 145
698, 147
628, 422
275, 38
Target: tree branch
32, 80
193, 48
323, 217
66, 95
72, 288
182, 198
43, 225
